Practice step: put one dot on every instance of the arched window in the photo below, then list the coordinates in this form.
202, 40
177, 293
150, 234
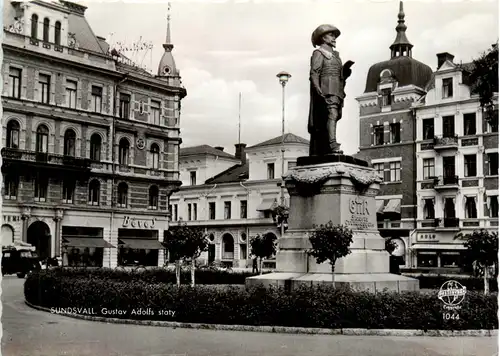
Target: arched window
155, 156
57, 34
153, 197
42, 139
69, 143
46, 28
95, 147
34, 26
13, 134
122, 194
124, 151
94, 192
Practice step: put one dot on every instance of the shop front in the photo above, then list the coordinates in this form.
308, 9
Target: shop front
83, 246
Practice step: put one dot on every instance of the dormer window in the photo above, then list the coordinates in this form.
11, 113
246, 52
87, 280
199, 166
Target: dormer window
447, 88
386, 97
46, 28
34, 26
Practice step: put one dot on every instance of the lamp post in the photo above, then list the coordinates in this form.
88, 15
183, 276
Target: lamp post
283, 78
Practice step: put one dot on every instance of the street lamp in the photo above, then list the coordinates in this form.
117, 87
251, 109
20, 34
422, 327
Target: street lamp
283, 78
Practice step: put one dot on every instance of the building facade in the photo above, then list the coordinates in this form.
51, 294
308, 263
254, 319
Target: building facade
90, 141
232, 196
387, 136
457, 167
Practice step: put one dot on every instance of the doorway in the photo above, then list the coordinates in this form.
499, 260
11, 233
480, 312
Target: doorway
39, 236
211, 253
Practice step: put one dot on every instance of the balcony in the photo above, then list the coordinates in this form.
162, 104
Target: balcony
442, 143
448, 224
446, 182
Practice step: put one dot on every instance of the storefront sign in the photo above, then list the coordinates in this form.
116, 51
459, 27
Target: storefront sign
133, 222
360, 215
11, 218
426, 237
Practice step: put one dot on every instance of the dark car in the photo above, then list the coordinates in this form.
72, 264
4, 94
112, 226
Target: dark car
19, 261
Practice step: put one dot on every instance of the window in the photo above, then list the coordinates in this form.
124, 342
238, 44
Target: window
173, 212
395, 132
243, 209
447, 88
46, 29
122, 195
429, 209
493, 164
155, 112
44, 82
227, 210
15, 82
378, 135
13, 134
470, 165
379, 167
95, 147
386, 97
41, 184
68, 191
123, 154
448, 126
211, 210
449, 166
449, 208
155, 156
470, 208
493, 206
428, 129
492, 121
71, 86
192, 177
428, 168
57, 33
42, 139
291, 165
189, 212
34, 26
153, 197
427, 259
94, 192
11, 183
124, 106
176, 212
469, 124
395, 168
270, 171
69, 143
450, 259
195, 211
96, 99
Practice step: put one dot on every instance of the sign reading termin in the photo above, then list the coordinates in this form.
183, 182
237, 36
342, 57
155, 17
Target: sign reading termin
360, 214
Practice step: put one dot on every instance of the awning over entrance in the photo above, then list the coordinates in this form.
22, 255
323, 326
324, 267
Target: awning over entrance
86, 242
145, 244
267, 204
380, 206
393, 206
438, 247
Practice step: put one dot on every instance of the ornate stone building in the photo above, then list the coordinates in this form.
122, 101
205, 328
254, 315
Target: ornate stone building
90, 141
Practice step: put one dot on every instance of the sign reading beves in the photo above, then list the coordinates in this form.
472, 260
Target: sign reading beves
133, 222
360, 214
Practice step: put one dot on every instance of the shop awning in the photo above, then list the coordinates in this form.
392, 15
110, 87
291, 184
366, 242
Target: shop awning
393, 206
438, 247
267, 204
85, 242
145, 244
380, 206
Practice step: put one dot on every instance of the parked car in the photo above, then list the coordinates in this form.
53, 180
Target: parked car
19, 261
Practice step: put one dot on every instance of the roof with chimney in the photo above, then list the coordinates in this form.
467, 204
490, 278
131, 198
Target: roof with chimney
289, 138
237, 173
204, 150
464, 67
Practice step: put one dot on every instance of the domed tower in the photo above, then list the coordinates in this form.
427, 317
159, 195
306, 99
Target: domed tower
388, 134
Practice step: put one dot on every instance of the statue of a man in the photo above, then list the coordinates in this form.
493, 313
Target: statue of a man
327, 79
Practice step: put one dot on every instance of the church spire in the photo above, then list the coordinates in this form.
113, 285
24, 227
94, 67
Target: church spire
167, 68
401, 46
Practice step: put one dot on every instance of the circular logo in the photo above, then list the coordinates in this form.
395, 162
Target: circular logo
452, 293
141, 143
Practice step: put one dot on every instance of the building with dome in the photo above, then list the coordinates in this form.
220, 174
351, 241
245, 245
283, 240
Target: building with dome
387, 135
91, 141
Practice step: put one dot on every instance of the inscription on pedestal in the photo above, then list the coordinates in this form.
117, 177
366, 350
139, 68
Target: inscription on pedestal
360, 214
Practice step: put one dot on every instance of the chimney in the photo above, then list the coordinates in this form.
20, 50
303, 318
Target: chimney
443, 57
240, 152
219, 148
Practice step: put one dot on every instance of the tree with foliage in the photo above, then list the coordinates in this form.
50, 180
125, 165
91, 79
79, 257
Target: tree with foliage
482, 250
185, 243
263, 247
484, 79
329, 243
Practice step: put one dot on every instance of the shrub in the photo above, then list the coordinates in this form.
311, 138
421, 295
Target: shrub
320, 307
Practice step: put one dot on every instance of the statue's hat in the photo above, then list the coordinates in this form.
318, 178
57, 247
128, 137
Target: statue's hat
321, 31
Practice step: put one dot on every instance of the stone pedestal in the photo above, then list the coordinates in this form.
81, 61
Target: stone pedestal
343, 193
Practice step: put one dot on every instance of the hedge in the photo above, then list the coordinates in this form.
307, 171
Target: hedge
318, 307
154, 275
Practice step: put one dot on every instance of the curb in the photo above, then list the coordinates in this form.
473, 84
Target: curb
280, 329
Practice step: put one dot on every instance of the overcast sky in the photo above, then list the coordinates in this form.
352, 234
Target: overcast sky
226, 47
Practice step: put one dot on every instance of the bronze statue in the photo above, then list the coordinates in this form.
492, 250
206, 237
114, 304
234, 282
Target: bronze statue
327, 77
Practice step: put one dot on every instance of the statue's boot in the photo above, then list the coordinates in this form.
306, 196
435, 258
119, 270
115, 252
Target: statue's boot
335, 147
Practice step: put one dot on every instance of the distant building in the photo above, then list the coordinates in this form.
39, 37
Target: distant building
457, 167
90, 141
232, 196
